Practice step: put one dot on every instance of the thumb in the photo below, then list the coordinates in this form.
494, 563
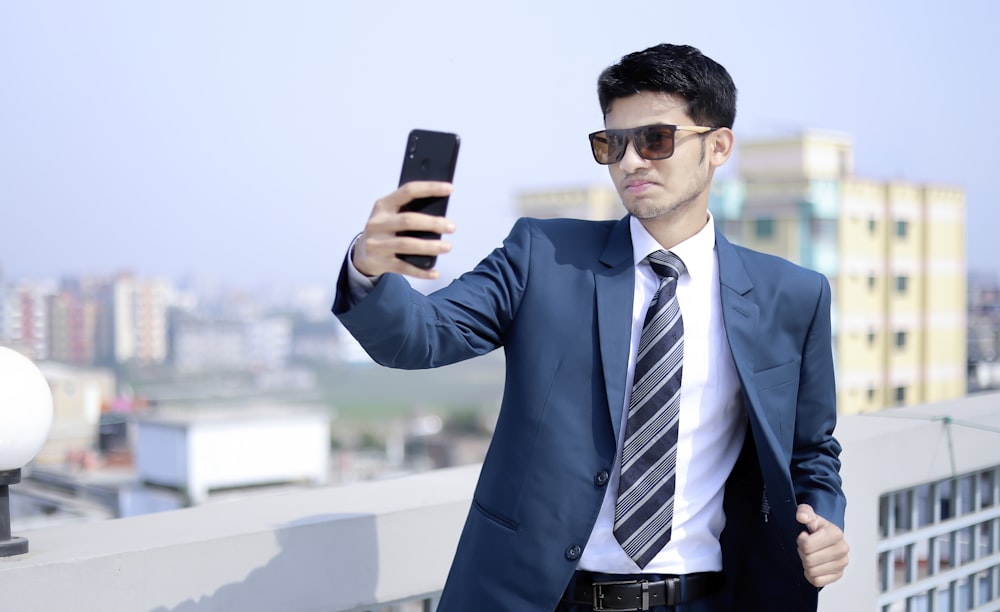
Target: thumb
805, 515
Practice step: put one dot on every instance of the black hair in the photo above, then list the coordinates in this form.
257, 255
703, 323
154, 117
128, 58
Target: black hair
673, 69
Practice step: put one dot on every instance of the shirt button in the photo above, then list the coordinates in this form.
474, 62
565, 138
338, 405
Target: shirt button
601, 478
573, 552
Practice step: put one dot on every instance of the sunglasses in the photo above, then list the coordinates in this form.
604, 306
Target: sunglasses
651, 142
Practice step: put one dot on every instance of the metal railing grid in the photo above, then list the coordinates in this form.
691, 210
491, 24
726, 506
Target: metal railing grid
939, 546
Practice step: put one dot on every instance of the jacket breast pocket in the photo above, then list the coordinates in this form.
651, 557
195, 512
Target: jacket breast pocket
494, 518
777, 388
778, 376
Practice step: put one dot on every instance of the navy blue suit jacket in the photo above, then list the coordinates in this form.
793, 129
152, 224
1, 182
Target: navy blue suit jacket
557, 297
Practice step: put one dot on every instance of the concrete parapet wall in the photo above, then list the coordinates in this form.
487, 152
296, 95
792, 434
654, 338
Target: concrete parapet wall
335, 548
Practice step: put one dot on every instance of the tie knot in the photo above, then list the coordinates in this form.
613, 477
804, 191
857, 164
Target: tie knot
665, 263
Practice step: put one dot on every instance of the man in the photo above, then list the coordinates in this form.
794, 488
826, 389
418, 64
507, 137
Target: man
730, 497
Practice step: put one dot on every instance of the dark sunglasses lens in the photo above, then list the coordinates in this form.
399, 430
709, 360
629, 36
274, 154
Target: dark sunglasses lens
599, 145
655, 142
607, 147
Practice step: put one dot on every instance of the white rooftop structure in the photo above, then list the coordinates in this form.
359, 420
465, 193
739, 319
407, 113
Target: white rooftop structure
197, 449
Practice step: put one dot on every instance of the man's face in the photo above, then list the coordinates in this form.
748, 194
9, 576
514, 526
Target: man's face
674, 189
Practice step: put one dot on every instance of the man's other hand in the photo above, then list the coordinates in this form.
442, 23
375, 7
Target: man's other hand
821, 546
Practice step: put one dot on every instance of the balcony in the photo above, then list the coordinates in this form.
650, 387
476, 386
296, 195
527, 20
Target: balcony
388, 544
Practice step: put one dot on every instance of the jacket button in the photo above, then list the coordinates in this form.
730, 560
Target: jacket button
601, 478
573, 552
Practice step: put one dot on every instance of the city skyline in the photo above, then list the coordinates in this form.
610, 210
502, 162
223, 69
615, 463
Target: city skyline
244, 143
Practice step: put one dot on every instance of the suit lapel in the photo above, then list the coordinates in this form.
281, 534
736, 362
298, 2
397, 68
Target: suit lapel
615, 282
740, 316
738, 311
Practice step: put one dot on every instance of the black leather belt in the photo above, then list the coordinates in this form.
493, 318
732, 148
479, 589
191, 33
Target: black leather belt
640, 594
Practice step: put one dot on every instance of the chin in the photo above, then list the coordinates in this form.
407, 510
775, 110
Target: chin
648, 210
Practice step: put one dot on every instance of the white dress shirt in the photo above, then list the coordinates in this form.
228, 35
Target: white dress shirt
712, 418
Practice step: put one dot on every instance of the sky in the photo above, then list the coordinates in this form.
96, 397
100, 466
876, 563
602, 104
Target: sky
243, 143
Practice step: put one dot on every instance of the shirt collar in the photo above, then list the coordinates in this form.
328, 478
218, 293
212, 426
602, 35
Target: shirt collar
696, 252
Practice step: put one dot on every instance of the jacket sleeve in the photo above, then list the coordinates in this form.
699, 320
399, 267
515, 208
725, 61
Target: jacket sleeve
815, 462
400, 327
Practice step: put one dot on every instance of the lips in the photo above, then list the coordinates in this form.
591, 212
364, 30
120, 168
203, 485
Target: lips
636, 185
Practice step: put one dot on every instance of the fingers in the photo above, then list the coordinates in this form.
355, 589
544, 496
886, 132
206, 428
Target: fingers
375, 252
412, 191
822, 548
824, 554
824, 575
376, 255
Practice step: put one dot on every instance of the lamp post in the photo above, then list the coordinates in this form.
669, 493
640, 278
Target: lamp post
25, 418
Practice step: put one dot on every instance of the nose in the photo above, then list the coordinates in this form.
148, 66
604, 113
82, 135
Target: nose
631, 161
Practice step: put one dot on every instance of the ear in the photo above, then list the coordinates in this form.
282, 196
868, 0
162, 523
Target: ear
720, 146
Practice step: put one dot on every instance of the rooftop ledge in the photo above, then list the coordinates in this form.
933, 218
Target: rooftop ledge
352, 547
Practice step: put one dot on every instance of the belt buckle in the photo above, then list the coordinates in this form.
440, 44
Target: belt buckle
671, 586
597, 589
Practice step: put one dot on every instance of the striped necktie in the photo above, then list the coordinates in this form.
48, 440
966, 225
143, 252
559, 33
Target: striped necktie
645, 507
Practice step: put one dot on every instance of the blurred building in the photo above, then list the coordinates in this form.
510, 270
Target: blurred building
88, 321
317, 341
139, 307
24, 318
268, 342
894, 253
200, 344
984, 332
79, 397
79, 322
583, 203
72, 322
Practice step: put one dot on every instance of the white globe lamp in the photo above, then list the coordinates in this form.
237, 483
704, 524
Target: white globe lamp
25, 419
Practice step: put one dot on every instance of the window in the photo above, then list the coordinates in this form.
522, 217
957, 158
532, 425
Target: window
871, 338
901, 283
764, 227
987, 489
902, 228
966, 494
823, 229
900, 394
871, 281
870, 394
900, 339
872, 226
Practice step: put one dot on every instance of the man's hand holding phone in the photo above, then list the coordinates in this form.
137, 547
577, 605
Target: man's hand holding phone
403, 234
376, 249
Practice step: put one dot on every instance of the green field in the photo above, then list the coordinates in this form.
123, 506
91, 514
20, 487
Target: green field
362, 397
369, 391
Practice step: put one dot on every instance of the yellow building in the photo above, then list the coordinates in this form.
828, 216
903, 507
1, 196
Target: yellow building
894, 253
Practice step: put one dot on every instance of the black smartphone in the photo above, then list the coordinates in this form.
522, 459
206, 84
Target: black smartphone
430, 156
